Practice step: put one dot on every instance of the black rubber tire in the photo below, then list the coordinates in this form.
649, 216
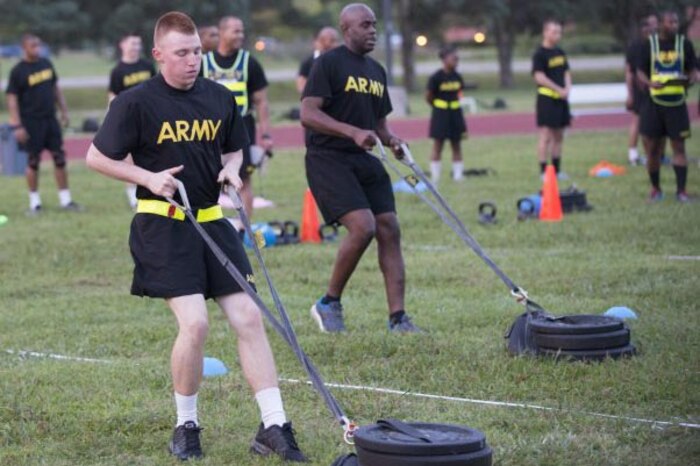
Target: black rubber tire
478, 458
592, 341
591, 355
582, 324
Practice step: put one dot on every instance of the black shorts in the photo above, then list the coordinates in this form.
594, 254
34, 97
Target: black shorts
171, 259
638, 98
552, 113
247, 168
342, 182
657, 121
44, 133
447, 124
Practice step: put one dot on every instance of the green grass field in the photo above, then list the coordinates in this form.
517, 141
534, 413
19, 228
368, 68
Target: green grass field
64, 282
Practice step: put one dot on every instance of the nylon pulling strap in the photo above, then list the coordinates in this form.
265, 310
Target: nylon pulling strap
448, 216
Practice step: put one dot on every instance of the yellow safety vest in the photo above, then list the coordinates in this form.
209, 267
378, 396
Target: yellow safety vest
667, 65
234, 78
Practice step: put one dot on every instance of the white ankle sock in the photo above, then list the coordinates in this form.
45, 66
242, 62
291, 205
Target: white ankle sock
186, 408
271, 409
64, 197
457, 170
131, 195
632, 154
435, 168
34, 199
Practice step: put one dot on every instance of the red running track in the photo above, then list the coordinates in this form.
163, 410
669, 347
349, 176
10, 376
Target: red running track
290, 136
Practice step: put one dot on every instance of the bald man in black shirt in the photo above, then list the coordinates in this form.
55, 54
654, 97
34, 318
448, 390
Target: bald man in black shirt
344, 105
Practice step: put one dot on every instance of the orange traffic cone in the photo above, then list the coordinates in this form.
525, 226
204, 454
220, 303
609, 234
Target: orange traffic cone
551, 203
309, 220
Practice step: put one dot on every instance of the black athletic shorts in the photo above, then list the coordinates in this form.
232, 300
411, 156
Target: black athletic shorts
44, 133
171, 259
552, 113
342, 182
247, 167
657, 121
638, 98
447, 124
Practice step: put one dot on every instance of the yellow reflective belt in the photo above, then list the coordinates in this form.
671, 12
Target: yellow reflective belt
548, 92
444, 104
165, 209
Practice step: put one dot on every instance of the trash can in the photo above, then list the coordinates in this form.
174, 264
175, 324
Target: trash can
13, 161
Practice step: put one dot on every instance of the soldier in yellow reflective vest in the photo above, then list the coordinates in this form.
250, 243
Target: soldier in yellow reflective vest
442, 93
550, 70
235, 68
667, 66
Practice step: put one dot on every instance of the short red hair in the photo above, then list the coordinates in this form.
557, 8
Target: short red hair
173, 21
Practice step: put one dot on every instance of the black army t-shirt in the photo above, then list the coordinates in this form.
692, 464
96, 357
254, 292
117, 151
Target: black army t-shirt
34, 85
163, 127
445, 86
354, 91
127, 75
552, 62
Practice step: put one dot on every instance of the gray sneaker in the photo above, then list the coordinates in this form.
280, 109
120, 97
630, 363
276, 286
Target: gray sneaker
33, 212
328, 316
73, 207
403, 325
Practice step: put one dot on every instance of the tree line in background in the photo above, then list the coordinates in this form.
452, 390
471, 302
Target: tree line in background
90, 23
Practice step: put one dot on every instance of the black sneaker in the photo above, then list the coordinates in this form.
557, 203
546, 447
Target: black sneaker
185, 443
278, 440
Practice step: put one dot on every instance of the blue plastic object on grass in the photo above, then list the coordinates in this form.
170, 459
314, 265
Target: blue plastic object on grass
402, 186
604, 173
267, 232
535, 203
621, 312
213, 367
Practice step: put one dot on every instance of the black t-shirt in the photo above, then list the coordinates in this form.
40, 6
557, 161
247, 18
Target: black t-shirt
354, 91
127, 75
34, 84
445, 86
305, 67
552, 62
256, 75
644, 58
163, 127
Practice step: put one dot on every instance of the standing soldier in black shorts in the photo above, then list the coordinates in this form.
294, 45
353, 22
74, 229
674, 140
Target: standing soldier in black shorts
180, 126
635, 94
326, 39
32, 96
667, 66
131, 71
344, 105
550, 69
242, 74
443, 92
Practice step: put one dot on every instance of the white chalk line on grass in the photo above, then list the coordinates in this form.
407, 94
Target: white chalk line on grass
505, 404
683, 258
392, 391
61, 357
